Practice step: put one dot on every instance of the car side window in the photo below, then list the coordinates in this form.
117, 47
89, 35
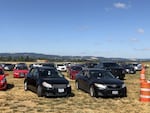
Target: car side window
35, 73
86, 73
31, 72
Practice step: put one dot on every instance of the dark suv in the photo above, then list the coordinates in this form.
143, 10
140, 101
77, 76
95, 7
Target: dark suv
114, 68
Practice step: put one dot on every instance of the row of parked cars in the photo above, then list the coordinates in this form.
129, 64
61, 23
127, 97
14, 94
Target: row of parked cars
101, 79
118, 70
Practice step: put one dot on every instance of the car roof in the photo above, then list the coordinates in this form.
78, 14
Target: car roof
44, 67
94, 69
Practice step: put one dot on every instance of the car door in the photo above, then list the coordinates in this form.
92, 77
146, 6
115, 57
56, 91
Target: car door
85, 81
34, 79
29, 78
80, 79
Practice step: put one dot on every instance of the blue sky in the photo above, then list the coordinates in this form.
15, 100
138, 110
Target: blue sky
107, 28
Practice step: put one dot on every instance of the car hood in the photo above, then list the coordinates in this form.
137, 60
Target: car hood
60, 80
107, 81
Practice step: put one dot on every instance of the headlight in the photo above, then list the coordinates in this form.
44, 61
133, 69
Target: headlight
101, 86
123, 85
47, 85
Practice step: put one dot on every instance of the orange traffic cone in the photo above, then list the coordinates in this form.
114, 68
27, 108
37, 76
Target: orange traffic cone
145, 92
142, 74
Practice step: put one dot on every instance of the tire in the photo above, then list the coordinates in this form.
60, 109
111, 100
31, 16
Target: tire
92, 91
25, 86
39, 91
77, 85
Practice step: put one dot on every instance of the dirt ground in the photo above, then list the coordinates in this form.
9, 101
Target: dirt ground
16, 100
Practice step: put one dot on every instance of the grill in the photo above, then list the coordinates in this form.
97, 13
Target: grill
113, 86
59, 85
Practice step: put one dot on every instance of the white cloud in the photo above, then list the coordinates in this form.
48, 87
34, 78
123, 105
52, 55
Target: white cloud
134, 39
120, 5
140, 30
142, 49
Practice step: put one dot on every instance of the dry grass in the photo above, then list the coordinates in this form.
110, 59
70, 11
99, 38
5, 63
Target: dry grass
16, 100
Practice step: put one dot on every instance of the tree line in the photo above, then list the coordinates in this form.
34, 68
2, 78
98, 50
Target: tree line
34, 59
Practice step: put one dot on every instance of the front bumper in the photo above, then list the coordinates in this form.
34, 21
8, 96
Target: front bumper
56, 92
111, 92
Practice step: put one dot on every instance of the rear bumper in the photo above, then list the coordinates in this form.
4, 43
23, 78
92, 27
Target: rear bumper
20, 75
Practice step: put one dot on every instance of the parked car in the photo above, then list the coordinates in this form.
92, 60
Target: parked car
47, 81
137, 66
129, 68
61, 67
3, 81
20, 71
100, 83
73, 70
90, 64
8, 67
117, 70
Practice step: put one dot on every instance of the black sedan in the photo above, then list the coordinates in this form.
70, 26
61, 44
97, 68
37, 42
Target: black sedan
47, 81
100, 83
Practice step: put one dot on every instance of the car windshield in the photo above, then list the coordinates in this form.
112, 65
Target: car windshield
1, 72
52, 73
77, 68
129, 65
49, 65
111, 65
101, 74
22, 68
8, 64
60, 65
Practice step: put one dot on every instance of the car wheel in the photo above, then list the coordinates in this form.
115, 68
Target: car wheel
25, 86
92, 91
39, 91
77, 85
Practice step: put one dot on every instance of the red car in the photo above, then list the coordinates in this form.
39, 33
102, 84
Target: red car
3, 81
73, 70
20, 71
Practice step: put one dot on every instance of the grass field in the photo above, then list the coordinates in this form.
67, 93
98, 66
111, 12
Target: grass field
16, 100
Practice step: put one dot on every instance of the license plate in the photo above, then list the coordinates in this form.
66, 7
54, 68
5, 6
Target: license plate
114, 92
22, 75
60, 90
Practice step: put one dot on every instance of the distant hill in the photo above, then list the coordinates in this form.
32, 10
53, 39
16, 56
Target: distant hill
46, 56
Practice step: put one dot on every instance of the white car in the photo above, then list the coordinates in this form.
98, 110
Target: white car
61, 67
137, 66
